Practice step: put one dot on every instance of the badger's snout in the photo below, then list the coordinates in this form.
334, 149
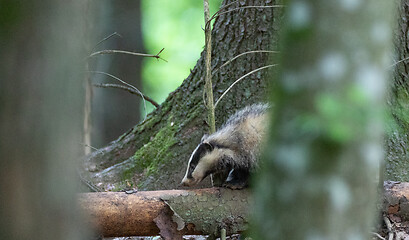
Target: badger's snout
183, 182
187, 182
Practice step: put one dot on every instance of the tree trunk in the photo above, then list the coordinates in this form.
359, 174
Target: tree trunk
397, 143
154, 153
41, 67
325, 143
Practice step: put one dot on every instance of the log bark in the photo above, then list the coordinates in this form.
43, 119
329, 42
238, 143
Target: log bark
170, 213
174, 213
396, 199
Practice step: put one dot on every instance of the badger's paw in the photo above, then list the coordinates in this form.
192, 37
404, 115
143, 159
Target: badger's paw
237, 179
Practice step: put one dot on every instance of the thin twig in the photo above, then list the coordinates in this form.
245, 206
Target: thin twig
106, 38
127, 84
244, 7
111, 51
377, 235
131, 90
221, 9
87, 123
389, 227
241, 54
88, 183
89, 146
208, 75
223, 234
242, 77
396, 63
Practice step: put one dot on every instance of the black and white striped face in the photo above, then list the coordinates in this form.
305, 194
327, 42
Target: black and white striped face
202, 162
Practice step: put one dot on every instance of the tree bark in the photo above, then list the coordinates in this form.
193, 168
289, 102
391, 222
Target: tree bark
325, 141
397, 141
170, 213
154, 153
41, 68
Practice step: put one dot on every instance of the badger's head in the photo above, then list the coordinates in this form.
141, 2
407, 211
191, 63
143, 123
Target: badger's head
203, 161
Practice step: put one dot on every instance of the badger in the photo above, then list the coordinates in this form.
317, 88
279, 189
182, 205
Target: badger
231, 152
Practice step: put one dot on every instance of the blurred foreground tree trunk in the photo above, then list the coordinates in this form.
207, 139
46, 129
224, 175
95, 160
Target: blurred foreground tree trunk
326, 136
41, 67
154, 154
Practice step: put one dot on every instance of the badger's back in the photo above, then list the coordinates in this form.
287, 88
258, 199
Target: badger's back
242, 133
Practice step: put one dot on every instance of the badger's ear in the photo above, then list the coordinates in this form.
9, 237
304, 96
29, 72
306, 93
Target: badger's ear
204, 137
207, 146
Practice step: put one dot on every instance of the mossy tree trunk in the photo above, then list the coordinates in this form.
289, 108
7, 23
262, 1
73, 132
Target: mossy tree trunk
397, 143
326, 136
154, 153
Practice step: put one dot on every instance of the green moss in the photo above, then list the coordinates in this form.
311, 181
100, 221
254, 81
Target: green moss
155, 152
399, 113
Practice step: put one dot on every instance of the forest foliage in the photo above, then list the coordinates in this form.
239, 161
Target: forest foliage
179, 29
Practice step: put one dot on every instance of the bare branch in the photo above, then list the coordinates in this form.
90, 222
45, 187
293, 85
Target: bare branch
106, 38
110, 85
377, 235
396, 63
90, 185
238, 80
127, 84
389, 227
221, 9
89, 146
241, 54
111, 51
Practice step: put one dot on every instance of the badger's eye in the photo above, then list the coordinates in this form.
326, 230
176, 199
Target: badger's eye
192, 167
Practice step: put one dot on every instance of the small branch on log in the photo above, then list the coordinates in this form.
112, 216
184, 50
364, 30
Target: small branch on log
377, 235
389, 227
131, 90
171, 213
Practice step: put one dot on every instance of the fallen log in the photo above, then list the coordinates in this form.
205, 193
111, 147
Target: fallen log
396, 199
169, 213
174, 213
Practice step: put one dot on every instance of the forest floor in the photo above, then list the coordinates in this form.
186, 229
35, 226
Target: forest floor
392, 227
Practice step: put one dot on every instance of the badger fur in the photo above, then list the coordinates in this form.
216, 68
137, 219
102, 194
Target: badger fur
232, 151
